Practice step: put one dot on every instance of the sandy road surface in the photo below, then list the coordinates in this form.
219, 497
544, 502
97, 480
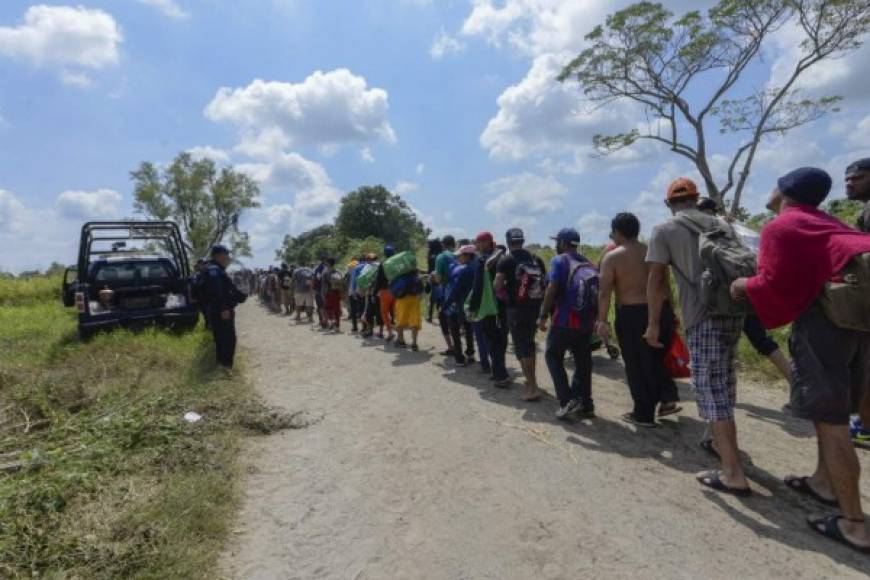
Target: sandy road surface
420, 470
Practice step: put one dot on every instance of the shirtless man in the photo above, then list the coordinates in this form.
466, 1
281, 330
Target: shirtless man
625, 271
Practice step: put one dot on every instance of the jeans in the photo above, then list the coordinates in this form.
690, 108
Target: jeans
482, 346
560, 341
496, 346
457, 322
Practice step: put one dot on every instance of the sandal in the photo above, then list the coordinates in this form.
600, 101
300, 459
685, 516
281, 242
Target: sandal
802, 485
831, 529
713, 480
414, 347
401, 344
707, 445
669, 409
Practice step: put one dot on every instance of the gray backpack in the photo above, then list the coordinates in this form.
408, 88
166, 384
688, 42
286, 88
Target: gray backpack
724, 258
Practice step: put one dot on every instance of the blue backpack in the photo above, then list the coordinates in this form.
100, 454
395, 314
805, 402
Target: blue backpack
404, 285
583, 282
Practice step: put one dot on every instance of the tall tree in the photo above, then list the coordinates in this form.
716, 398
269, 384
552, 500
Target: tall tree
205, 201
686, 72
377, 213
309, 246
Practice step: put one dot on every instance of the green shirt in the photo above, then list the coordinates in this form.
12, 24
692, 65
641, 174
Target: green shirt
442, 266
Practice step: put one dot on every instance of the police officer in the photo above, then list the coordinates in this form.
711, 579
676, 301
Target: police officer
222, 297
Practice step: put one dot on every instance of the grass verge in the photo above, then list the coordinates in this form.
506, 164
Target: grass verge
102, 476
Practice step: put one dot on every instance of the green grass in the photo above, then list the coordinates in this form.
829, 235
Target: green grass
114, 482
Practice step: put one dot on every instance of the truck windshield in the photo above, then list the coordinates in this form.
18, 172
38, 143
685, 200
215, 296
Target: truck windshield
132, 272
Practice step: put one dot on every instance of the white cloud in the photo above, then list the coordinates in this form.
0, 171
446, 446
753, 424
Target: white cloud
525, 194
542, 117
420, 169
208, 152
593, 226
12, 212
444, 45
858, 136
51, 232
326, 109
403, 187
90, 205
169, 8
76, 79
71, 39
366, 155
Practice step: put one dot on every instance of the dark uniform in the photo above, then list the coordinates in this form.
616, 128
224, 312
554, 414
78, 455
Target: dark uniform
221, 295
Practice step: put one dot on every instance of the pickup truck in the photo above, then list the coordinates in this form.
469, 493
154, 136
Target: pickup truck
130, 274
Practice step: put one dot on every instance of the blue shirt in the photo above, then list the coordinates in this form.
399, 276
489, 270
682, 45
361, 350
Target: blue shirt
355, 274
461, 281
564, 315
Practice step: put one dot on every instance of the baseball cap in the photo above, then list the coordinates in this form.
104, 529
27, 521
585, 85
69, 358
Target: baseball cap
484, 237
860, 165
219, 249
515, 235
569, 235
682, 187
469, 249
389, 250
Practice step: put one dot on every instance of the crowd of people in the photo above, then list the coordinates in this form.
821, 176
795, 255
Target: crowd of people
811, 271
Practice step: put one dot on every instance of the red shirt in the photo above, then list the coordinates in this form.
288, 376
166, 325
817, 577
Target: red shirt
800, 250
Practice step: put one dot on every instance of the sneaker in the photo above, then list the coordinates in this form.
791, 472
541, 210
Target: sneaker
503, 383
570, 407
447, 352
586, 411
857, 432
630, 418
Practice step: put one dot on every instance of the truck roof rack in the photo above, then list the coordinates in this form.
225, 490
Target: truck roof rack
166, 233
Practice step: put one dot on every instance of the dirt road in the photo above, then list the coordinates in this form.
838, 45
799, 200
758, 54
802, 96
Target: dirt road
421, 470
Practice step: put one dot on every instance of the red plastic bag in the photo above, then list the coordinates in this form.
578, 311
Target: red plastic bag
677, 358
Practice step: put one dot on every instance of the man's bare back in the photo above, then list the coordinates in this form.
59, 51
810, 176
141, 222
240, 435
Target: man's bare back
629, 269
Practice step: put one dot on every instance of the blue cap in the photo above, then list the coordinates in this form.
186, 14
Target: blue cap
569, 235
389, 250
219, 249
809, 185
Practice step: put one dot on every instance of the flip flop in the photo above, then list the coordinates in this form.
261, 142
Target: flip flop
713, 480
707, 445
415, 348
832, 530
532, 398
802, 485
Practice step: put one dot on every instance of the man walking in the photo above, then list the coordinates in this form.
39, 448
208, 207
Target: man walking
712, 339
441, 276
625, 272
801, 250
483, 307
222, 297
572, 297
286, 285
303, 293
522, 276
459, 286
858, 189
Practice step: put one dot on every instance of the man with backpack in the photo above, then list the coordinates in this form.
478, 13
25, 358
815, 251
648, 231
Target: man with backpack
444, 262
625, 272
303, 292
713, 323
458, 287
386, 301
285, 283
858, 189
483, 307
815, 271
523, 277
332, 283
572, 297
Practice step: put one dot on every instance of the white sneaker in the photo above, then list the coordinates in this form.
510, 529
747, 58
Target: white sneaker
569, 408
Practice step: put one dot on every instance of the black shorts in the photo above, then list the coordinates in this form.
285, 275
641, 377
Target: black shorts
831, 368
523, 324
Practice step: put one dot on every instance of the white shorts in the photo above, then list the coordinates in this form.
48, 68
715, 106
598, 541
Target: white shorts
305, 299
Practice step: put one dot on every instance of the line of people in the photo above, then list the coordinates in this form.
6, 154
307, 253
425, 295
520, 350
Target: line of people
810, 270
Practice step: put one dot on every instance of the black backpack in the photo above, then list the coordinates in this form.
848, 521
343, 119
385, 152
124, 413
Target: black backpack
530, 283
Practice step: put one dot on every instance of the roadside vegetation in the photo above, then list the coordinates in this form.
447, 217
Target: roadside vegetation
102, 476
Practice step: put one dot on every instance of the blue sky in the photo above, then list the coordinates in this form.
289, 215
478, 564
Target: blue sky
452, 103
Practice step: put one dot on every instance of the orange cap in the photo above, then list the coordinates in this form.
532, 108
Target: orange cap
682, 187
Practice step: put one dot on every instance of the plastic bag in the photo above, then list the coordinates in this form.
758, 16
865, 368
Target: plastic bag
677, 358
